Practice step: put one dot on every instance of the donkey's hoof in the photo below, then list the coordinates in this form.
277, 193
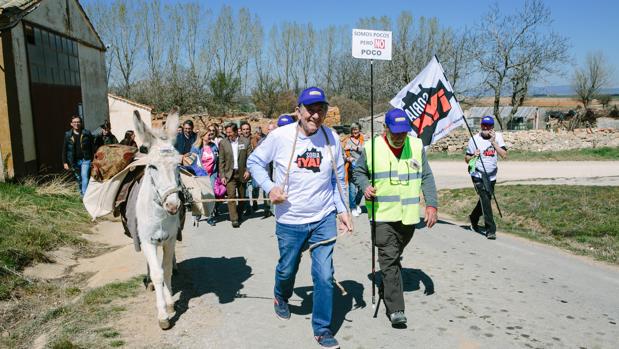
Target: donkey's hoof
170, 308
165, 324
150, 287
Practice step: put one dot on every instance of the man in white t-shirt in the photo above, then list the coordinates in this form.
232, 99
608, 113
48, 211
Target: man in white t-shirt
484, 149
307, 202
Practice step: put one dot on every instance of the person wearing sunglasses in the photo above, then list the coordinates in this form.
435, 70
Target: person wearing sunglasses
401, 174
308, 167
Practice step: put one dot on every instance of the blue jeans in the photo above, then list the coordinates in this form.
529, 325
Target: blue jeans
354, 195
81, 171
292, 239
252, 190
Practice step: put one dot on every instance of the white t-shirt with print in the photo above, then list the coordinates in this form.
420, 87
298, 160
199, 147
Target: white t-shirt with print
487, 154
312, 190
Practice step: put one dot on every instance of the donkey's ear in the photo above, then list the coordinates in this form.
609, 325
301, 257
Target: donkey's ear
171, 124
142, 130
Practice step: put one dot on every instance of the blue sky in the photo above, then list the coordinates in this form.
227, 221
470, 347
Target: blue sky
589, 25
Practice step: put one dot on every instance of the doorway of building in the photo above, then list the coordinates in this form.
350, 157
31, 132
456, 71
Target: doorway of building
55, 91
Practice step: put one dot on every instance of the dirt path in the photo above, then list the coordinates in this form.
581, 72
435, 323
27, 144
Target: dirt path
453, 174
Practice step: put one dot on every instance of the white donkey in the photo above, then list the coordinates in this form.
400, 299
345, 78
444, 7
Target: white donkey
157, 209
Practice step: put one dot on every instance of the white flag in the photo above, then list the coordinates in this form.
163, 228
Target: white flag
430, 103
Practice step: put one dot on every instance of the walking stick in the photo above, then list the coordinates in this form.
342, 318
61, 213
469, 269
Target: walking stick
485, 178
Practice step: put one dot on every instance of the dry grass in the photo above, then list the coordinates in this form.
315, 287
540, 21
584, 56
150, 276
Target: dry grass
37, 216
33, 224
66, 315
62, 185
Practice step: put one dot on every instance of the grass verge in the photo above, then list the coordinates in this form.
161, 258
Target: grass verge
590, 154
582, 219
75, 322
35, 218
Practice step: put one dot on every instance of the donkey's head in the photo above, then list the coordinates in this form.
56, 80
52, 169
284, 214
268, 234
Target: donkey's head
163, 160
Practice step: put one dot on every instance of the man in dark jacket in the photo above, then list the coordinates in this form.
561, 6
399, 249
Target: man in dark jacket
233, 154
185, 139
77, 152
106, 136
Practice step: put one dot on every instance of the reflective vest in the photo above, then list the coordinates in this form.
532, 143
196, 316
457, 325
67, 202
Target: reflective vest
397, 181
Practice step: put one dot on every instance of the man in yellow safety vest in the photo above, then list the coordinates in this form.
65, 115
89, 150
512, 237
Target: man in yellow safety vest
401, 173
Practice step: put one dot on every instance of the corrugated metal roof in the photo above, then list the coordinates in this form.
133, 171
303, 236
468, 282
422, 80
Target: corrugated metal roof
15, 5
12, 11
523, 112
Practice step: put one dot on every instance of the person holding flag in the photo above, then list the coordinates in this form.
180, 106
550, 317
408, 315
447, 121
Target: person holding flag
401, 172
481, 155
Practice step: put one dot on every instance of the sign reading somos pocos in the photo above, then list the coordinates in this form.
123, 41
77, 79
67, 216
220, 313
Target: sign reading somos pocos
371, 44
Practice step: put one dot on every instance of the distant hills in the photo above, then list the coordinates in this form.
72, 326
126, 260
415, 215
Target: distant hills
541, 91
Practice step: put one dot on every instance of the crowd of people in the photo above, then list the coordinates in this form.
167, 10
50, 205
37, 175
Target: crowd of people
314, 178
204, 152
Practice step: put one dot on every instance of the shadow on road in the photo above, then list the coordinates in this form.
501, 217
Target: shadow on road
412, 280
481, 231
223, 216
422, 224
342, 304
198, 276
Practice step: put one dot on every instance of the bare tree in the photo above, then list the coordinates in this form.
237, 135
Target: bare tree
588, 80
153, 37
604, 100
285, 49
539, 55
328, 50
226, 46
458, 61
247, 41
126, 40
502, 39
308, 53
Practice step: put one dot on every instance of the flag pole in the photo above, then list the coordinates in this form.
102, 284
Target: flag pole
483, 167
373, 221
476, 147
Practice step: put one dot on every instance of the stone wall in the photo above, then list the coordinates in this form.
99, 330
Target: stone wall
537, 140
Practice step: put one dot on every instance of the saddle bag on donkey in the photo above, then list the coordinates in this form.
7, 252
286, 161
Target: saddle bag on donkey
110, 159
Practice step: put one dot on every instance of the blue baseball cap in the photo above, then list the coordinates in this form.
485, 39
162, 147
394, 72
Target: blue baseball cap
284, 120
397, 121
312, 95
487, 120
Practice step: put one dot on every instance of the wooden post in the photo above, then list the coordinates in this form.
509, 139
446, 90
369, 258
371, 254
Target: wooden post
2, 179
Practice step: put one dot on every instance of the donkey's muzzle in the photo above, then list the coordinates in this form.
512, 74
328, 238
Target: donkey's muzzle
158, 240
172, 208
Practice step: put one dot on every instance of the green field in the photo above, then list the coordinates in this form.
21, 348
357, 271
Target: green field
591, 154
582, 219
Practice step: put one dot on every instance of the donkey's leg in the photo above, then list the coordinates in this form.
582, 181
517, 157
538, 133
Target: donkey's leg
148, 283
156, 274
168, 261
